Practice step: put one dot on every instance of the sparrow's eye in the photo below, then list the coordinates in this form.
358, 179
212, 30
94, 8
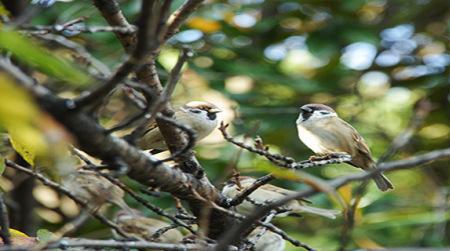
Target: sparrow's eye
196, 111
323, 113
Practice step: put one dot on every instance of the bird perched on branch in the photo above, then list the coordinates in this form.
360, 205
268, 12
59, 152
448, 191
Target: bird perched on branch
94, 189
135, 224
268, 241
322, 131
266, 194
198, 115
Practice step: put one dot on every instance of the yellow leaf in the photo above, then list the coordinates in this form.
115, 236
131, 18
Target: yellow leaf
203, 24
346, 193
28, 142
366, 243
16, 233
19, 116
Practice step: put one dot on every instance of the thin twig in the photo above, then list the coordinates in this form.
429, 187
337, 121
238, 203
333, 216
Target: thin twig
162, 230
145, 203
241, 217
283, 161
143, 47
180, 16
63, 190
58, 28
250, 189
422, 108
192, 136
235, 231
4, 222
130, 191
80, 50
252, 242
421, 111
117, 244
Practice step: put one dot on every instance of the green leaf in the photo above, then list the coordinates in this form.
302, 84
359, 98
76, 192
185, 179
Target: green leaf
2, 165
31, 53
44, 235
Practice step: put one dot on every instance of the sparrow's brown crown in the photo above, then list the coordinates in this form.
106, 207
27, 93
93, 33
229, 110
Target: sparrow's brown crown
202, 105
316, 107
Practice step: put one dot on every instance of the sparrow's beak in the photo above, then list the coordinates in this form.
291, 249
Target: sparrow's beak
214, 110
305, 109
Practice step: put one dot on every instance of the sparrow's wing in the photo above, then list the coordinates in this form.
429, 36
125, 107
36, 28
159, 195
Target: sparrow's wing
361, 156
282, 191
150, 127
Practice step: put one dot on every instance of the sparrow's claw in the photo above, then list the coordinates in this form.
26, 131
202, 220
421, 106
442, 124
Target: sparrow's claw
316, 158
337, 155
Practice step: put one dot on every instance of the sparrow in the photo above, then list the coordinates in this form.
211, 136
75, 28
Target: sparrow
269, 241
94, 189
322, 131
136, 225
201, 116
266, 194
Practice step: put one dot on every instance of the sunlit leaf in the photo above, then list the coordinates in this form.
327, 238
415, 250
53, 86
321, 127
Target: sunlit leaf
367, 243
36, 56
402, 218
16, 233
346, 193
44, 235
203, 24
2, 165
303, 177
19, 115
28, 142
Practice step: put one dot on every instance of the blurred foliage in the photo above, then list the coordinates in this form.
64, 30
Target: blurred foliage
260, 60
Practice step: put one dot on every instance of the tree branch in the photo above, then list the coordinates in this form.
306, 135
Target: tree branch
234, 232
92, 139
180, 16
63, 190
144, 45
4, 222
283, 161
86, 243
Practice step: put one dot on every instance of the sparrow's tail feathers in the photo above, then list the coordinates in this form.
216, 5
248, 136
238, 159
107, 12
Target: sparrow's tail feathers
329, 213
382, 182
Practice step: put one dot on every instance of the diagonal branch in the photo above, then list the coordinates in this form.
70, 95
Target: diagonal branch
234, 232
63, 190
144, 168
146, 26
283, 161
4, 222
180, 16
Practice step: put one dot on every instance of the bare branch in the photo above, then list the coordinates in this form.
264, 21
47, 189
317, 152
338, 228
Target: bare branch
80, 50
63, 190
422, 108
233, 233
145, 203
283, 161
192, 136
111, 11
58, 28
143, 47
249, 190
4, 222
86, 243
92, 140
251, 242
180, 16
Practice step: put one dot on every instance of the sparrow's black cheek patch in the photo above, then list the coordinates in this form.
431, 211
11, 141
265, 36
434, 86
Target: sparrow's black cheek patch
306, 115
212, 116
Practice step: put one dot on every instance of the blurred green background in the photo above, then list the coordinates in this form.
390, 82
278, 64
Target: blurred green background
260, 61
